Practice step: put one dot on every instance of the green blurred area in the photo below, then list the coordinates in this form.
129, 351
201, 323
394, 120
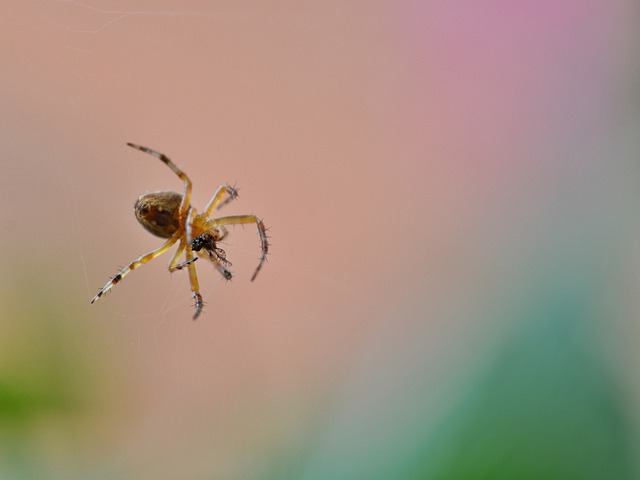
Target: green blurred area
547, 408
49, 379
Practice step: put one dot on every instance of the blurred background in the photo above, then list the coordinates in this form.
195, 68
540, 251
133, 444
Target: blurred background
452, 193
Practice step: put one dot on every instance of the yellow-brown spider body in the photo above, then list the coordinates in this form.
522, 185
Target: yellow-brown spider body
170, 215
159, 212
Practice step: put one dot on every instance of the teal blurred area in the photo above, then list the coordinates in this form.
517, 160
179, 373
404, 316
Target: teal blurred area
547, 406
451, 191
545, 398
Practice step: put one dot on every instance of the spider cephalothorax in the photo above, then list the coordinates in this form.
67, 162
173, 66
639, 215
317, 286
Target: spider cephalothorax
170, 215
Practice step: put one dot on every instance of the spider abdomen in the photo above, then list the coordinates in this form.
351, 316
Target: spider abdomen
158, 212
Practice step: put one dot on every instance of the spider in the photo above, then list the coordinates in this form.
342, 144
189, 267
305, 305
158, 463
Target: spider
170, 215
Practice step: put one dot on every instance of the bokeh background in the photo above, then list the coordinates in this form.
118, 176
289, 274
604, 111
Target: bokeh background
452, 191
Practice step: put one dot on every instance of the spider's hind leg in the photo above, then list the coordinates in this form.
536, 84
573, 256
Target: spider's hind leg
217, 202
135, 264
186, 196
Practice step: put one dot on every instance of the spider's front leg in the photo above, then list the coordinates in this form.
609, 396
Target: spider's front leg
244, 219
174, 265
193, 277
195, 286
135, 264
223, 271
218, 257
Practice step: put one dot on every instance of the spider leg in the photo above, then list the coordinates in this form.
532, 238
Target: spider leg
223, 271
135, 264
193, 277
195, 286
243, 219
186, 197
219, 260
216, 200
174, 265
180, 266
